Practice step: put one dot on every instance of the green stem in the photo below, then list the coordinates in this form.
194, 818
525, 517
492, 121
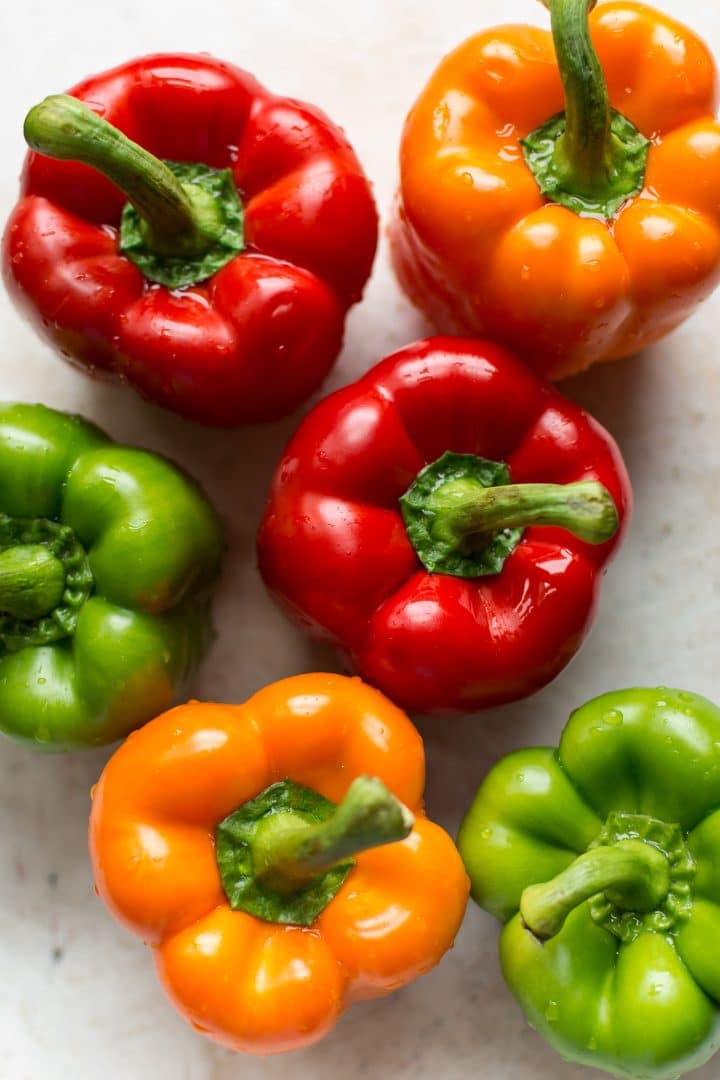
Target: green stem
467, 512
289, 852
584, 153
180, 219
633, 874
32, 581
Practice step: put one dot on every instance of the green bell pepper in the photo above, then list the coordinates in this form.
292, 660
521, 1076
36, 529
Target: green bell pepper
602, 859
108, 559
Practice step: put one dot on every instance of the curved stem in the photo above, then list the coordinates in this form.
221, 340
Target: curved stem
465, 510
288, 852
32, 581
634, 875
584, 151
180, 220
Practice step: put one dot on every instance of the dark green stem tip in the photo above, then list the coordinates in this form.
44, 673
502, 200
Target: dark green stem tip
32, 581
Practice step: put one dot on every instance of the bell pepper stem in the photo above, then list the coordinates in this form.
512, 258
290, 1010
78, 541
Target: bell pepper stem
180, 219
289, 852
632, 873
465, 511
32, 581
584, 152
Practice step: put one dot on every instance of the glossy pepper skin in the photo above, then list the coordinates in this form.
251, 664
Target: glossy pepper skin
254, 985
482, 250
252, 341
602, 859
108, 560
335, 552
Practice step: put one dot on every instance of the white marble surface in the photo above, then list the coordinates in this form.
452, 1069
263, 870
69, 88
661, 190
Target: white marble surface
78, 996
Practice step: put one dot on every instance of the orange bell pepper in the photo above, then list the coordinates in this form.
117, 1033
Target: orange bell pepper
267, 906
532, 212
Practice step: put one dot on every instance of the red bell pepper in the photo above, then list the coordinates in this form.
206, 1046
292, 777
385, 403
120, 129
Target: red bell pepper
445, 522
217, 287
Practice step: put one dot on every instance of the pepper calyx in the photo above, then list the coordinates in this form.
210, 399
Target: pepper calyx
464, 518
220, 219
284, 855
45, 580
183, 221
589, 158
676, 906
624, 179
440, 549
635, 877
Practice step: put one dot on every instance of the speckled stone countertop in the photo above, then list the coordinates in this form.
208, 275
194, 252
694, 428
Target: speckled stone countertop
78, 996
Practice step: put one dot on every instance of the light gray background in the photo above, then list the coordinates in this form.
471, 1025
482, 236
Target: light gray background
78, 996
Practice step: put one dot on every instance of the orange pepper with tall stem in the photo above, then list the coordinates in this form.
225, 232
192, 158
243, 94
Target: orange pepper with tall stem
561, 193
276, 857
